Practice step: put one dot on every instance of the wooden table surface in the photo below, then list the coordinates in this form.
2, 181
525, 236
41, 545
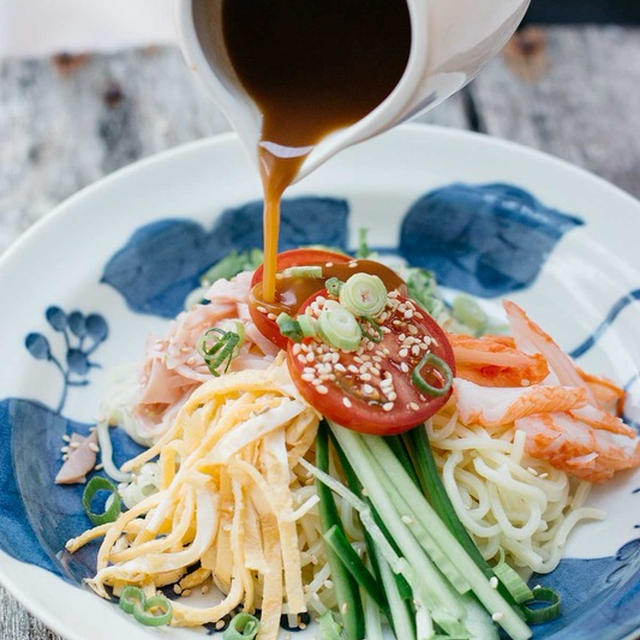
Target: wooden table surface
571, 91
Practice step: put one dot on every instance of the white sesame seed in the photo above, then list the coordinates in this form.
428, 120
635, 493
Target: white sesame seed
94, 447
329, 265
367, 389
308, 377
532, 471
414, 406
493, 582
365, 376
415, 350
177, 589
74, 445
271, 316
99, 467
340, 367
352, 265
407, 519
387, 406
497, 616
322, 389
392, 395
64, 449
343, 608
353, 368
205, 589
346, 402
404, 368
220, 625
296, 349
66, 438
328, 584
403, 353
524, 382
386, 382
310, 357
402, 337
544, 475
262, 309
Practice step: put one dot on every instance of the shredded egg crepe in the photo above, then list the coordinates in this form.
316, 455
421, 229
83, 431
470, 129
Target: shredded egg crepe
233, 502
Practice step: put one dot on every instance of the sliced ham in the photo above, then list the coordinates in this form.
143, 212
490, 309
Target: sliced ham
82, 459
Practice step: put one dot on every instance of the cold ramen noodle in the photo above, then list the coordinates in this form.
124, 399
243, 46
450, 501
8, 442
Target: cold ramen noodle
357, 453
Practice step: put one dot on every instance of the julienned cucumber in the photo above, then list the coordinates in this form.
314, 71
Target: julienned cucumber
346, 588
370, 456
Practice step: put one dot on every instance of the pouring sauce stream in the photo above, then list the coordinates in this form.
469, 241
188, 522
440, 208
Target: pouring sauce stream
312, 67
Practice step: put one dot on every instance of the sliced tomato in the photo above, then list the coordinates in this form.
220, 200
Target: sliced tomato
347, 387
292, 292
302, 258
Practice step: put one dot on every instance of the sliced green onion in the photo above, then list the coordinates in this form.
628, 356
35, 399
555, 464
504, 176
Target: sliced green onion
221, 352
364, 295
289, 327
469, 312
112, 511
333, 286
243, 626
441, 367
338, 327
512, 582
328, 627
363, 246
148, 617
131, 597
233, 326
307, 326
551, 611
311, 272
371, 330
337, 540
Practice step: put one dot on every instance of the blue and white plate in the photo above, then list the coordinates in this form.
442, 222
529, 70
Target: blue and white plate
83, 288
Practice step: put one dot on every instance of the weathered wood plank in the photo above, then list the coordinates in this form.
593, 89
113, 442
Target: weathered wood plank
62, 127
16, 623
583, 107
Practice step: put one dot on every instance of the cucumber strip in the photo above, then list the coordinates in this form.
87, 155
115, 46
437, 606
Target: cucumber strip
420, 450
421, 534
338, 542
372, 619
432, 589
493, 602
400, 619
346, 588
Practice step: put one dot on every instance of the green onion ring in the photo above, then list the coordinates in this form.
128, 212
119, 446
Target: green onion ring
364, 295
223, 350
543, 614
111, 513
243, 626
339, 328
377, 334
512, 582
307, 326
144, 615
131, 597
289, 327
333, 286
311, 272
443, 369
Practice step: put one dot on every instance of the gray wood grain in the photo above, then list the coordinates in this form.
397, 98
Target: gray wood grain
583, 108
63, 127
61, 130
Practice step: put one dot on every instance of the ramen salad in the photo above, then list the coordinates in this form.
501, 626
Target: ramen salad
357, 453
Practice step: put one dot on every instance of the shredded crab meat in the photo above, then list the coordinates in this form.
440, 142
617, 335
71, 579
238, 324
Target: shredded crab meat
232, 500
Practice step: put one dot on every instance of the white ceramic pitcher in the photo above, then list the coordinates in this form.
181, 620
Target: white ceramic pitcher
450, 41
